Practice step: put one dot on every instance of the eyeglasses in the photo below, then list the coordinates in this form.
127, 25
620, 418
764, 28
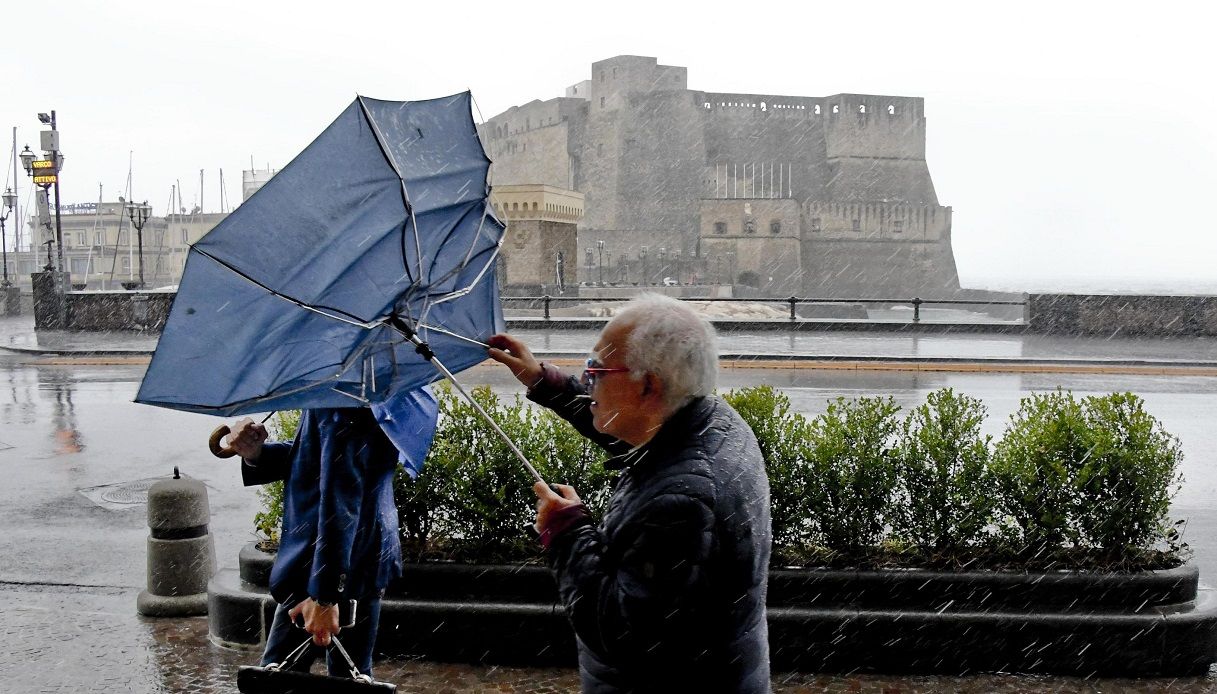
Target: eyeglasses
594, 370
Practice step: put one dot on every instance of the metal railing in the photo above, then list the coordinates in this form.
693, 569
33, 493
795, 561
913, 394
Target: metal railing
793, 302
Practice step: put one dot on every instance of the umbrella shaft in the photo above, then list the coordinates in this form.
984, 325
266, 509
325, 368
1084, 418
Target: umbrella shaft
510, 444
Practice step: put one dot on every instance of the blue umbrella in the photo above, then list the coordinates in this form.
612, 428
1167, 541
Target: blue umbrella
341, 281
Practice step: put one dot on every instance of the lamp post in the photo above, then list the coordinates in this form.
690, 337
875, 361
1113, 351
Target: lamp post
9, 200
642, 255
45, 173
138, 212
600, 252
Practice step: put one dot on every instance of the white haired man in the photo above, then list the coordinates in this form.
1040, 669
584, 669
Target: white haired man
667, 591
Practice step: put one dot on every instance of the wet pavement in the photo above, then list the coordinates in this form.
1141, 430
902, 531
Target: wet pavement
75, 453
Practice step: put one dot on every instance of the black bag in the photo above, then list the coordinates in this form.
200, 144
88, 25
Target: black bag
277, 678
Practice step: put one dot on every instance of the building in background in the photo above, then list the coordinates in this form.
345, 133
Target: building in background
821, 196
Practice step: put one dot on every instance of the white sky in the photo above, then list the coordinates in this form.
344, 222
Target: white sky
1073, 140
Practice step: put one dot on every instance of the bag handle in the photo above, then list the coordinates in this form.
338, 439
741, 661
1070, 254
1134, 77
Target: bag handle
296, 654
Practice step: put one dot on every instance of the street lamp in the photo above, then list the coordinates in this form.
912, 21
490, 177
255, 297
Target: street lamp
642, 255
10, 200
138, 212
600, 250
45, 173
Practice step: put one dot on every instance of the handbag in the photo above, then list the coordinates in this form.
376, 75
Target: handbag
278, 678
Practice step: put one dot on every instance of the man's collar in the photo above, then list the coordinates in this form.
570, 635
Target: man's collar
663, 439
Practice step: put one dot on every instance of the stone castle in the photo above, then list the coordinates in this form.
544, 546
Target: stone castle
815, 196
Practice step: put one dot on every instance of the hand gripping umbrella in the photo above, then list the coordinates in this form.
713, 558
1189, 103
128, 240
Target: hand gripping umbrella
347, 277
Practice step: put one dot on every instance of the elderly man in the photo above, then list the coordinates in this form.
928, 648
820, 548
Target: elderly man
667, 592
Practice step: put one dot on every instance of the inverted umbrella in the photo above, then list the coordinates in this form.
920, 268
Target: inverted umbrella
342, 279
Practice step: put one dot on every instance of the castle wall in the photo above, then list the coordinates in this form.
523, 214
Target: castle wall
757, 237
645, 150
877, 250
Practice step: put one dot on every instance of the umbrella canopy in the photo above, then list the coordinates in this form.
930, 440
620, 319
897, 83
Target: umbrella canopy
300, 297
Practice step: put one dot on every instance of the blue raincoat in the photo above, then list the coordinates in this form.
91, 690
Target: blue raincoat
340, 531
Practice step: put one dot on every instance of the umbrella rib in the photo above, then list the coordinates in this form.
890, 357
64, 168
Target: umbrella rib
449, 333
405, 194
351, 319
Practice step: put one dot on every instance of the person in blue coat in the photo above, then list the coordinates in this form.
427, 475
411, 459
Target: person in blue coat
339, 547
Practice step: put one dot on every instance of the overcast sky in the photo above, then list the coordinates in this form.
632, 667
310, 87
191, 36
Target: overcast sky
1075, 141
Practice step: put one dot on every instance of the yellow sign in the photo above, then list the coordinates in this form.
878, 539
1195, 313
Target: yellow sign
45, 180
44, 164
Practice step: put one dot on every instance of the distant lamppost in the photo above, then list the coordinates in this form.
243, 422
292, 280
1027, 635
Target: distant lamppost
45, 173
10, 200
600, 251
138, 212
663, 263
642, 255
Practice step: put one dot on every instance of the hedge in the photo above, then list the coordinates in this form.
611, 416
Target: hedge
1071, 483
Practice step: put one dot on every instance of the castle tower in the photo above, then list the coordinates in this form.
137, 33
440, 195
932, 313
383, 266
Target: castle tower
539, 251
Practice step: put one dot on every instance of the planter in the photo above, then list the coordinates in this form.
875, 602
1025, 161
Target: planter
1153, 623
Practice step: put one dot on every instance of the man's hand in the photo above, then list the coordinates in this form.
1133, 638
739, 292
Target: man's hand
320, 621
512, 353
246, 438
549, 503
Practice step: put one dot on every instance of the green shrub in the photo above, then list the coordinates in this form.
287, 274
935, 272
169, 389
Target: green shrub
269, 520
852, 474
1071, 483
781, 435
1037, 466
944, 504
1129, 477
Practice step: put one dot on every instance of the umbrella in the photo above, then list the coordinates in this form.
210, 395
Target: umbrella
341, 280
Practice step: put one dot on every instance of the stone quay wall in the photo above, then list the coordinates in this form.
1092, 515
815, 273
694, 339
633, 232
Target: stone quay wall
1048, 314
1122, 315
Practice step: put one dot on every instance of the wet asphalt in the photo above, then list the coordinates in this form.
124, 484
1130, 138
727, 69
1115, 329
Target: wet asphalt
76, 454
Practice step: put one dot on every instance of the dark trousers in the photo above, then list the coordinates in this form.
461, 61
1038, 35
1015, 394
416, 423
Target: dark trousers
358, 640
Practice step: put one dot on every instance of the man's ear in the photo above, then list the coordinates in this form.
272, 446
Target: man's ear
651, 385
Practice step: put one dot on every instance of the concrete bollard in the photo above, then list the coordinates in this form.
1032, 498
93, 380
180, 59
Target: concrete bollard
181, 552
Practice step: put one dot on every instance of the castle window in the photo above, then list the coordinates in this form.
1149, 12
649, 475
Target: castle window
815, 223
861, 108
534, 207
720, 227
836, 108
614, 73
897, 225
775, 227
857, 225
817, 111
891, 109
602, 102
185, 236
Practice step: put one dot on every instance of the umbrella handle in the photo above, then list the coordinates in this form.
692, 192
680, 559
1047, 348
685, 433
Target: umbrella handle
216, 442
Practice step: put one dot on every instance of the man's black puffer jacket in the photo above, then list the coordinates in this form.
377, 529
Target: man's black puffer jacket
667, 593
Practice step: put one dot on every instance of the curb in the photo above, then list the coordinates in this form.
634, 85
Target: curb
1073, 623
